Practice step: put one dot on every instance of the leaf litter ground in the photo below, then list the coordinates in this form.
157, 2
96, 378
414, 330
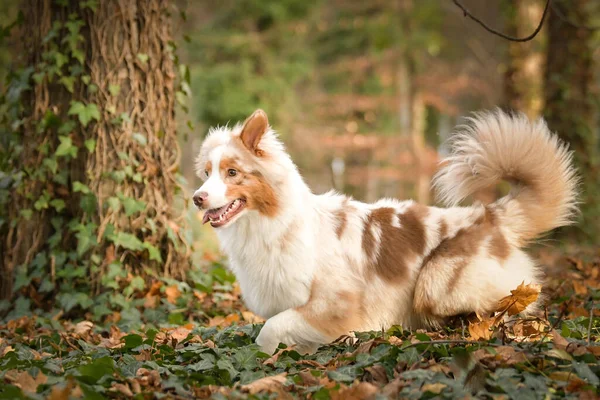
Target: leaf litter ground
184, 342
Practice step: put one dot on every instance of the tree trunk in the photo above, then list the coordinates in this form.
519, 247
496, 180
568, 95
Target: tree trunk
523, 77
111, 104
411, 111
570, 99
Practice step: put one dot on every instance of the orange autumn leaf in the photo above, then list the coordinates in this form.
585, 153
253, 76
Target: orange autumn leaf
435, 388
358, 391
172, 293
267, 384
481, 330
580, 288
519, 299
25, 381
180, 333
252, 318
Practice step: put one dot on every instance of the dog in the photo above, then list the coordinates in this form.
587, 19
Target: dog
318, 267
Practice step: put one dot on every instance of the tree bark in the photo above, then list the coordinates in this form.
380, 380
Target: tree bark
130, 77
570, 96
523, 77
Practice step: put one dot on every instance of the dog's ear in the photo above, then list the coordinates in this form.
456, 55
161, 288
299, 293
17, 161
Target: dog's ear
254, 128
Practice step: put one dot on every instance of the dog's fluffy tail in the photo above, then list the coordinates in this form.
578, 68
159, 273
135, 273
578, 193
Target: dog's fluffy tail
496, 146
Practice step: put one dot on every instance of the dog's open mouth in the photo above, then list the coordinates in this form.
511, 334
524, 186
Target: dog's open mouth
222, 215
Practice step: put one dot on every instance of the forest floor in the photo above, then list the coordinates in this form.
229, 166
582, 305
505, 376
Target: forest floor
178, 341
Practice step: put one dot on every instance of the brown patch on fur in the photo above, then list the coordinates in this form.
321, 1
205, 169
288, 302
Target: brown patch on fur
499, 247
341, 216
252, 186
456, 252
333, 313
443, 230
257, 192
397, 246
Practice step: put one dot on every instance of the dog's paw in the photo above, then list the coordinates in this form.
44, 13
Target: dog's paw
267, 341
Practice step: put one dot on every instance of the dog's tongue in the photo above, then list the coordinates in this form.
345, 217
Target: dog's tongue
215, 212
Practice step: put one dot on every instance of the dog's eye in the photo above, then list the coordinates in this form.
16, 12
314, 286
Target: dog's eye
206, 172
231, 172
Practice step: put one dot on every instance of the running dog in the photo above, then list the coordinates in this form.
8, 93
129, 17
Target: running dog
321, 266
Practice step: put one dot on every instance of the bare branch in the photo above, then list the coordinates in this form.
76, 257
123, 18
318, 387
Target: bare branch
466, 13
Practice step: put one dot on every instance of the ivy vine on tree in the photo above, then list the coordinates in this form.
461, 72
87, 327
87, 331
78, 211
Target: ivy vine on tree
89, 181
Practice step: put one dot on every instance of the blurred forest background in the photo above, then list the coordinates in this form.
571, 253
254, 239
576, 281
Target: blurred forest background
104, 105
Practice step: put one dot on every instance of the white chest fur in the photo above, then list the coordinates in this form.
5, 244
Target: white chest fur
274, 265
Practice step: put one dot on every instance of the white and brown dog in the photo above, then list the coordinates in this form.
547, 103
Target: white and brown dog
321, 266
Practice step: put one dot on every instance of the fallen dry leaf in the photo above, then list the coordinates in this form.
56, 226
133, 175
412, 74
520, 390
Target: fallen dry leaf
519, 299
271, 360
481, 330
122, 388
580, 288
150, 301
25, 381
172, 293
559, 341
83, 327
180, 333
435, 388
358, 391
70, 390
267, 384
7, 350
224, 321
595, 350
376, 374
574, 382
252, 318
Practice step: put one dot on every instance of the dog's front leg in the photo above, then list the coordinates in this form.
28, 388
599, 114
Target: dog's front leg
291, 328
324, 318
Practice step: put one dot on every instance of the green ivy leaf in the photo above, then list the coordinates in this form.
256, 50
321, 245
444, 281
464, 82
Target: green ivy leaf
90, 145
47, 286
81, 187
91, 4
141, 139
153, 252
66, 128
128, 241
93, 372
51, 164
114, 89
69, 82
42, 202
143, 57
85, 113
66, 147
88, 203
58, 204
114, 203
132, 206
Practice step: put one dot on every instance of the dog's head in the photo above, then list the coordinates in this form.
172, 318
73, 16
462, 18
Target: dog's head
241, 168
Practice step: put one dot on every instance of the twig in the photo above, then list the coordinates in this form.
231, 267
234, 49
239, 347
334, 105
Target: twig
562, 16
433, 342
554, 325
466, 13
589, 341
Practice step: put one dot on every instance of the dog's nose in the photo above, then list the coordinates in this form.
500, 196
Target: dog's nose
200, 198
